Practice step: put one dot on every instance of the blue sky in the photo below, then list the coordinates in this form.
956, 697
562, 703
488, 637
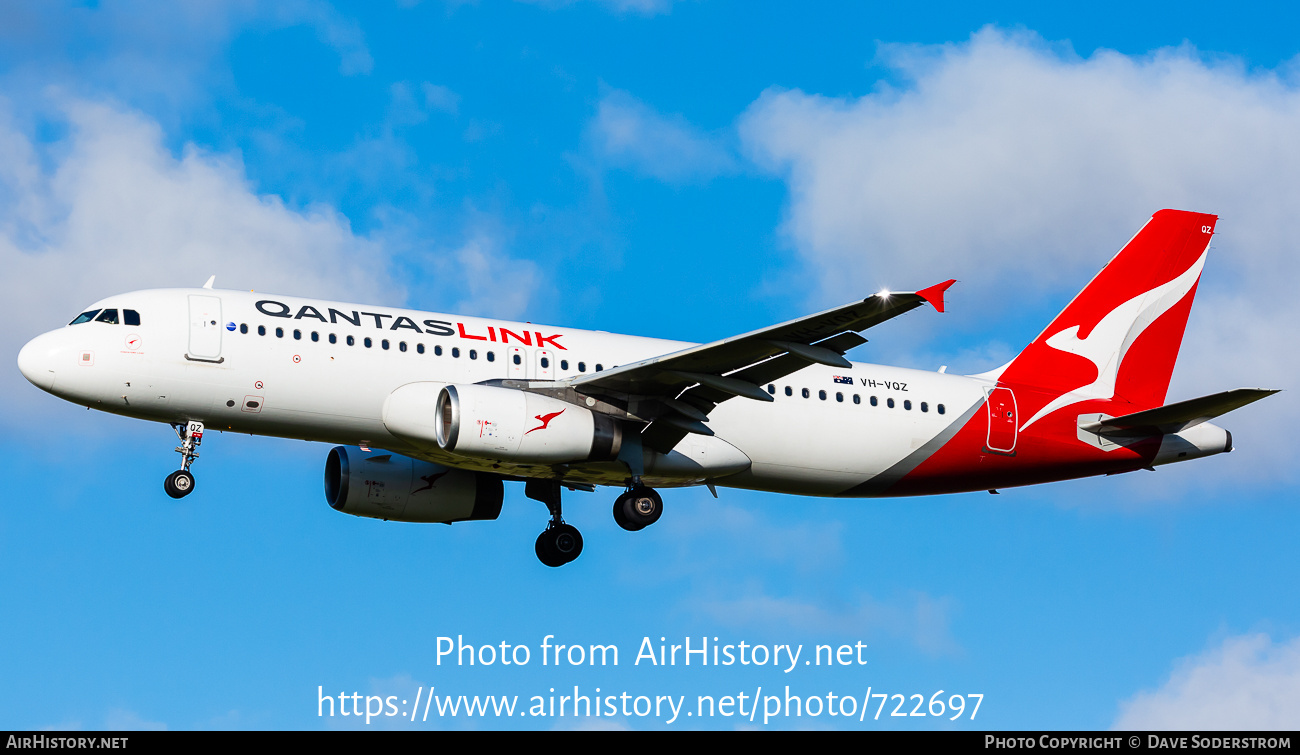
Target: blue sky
688, 170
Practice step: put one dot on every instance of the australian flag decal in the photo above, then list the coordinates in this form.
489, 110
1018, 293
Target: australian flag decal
845, 380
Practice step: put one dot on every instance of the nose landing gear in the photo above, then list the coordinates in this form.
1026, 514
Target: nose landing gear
181, 483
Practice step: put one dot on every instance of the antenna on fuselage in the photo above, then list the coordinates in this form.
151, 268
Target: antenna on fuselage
211, 280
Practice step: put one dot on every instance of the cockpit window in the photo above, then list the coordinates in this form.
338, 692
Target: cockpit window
130, 317
85, 317
108, 316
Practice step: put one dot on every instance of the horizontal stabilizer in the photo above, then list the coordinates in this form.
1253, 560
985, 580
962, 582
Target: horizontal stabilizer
1177, 417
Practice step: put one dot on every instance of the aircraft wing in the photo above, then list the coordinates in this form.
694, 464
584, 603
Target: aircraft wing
686, 385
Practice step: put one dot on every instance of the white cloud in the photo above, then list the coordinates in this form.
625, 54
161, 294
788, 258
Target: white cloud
108, 209
439, 97
341, 34
640, 7
121, 719
162, 54
495, 284
1017, 167
918, 618
1248, 682
717, 546
629, 133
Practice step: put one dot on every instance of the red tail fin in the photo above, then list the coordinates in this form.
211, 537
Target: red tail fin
1119, 338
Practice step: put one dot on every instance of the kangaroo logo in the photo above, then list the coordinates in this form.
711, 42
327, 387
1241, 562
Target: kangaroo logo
429, 480
545, 419
1110, 340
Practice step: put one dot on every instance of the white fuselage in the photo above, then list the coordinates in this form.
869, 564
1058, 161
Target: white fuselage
283, 366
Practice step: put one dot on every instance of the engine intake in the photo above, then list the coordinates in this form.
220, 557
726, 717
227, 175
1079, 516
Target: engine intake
391, 486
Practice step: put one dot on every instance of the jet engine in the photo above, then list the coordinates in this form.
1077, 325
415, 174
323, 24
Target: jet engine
511, 425
391, 486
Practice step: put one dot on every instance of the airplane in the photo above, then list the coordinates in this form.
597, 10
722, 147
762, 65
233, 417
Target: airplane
432, 413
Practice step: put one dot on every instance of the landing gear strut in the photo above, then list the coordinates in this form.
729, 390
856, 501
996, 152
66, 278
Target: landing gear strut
638, 508
180, 483
559, 543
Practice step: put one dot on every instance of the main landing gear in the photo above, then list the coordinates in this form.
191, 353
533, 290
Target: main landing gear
559, 543
181, 483
637, 508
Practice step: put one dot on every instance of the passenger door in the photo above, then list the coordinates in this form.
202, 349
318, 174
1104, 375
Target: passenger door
1002, 421
205, 329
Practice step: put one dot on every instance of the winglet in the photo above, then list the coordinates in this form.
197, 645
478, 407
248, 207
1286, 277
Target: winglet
211, 280
934, 294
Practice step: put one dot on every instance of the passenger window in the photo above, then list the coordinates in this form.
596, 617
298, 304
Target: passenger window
839, 397
789, 391
889, 402
907, 404
517, 360
940, 408
925, 407
546, 364
582, 366
401, 346
419, 348
243, 328
805, 393
473, 353
874, 402
297, 334
771, 389
279, 332
384, 344
437, 351
130, 317
857, 399
352, 341
564, 365
109, 316
85, 317
455, 352
492, 356
334, 338
261, 330
367, 342
315, 337
599, 368
821, 395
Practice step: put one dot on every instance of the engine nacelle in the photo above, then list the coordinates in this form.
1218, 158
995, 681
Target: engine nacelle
503, 423
391, 486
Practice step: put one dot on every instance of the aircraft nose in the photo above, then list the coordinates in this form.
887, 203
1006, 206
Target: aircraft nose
36, 361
